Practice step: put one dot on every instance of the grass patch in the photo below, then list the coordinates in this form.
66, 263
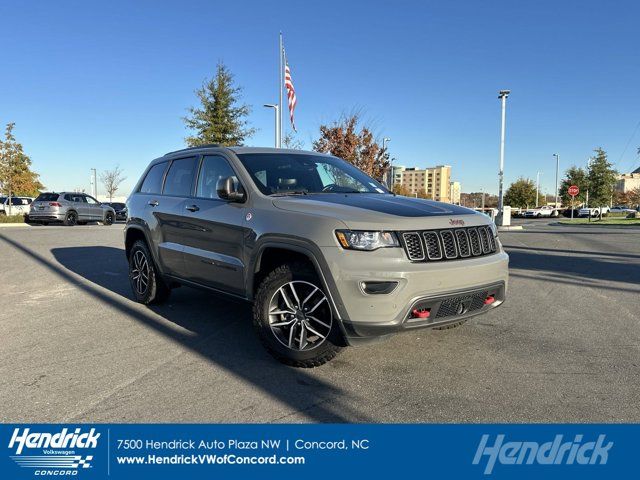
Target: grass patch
605, 221
12, 219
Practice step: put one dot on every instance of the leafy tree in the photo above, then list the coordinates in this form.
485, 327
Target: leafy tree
16, 177
219, 118
400, 189
522, 194
290, 141
111, 179
574, 176
633, 197
355, 144
602, 179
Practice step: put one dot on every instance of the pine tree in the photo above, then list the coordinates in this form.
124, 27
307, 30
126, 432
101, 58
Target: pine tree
602, 180
16, 177
219, 118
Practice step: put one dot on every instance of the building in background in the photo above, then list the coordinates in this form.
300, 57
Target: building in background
628, 181
433, 183
455, 193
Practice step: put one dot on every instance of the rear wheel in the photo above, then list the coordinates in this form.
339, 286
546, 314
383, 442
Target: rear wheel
147, 286
293, 317
71, 218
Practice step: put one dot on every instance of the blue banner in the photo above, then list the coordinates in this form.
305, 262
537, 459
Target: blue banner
167, 451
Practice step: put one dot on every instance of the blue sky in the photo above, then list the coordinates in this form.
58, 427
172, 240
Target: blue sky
95, 84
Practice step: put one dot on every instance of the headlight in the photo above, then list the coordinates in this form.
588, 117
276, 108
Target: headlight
359, 240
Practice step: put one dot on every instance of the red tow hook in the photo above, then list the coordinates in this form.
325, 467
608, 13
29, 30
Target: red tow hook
489, 300
421, 313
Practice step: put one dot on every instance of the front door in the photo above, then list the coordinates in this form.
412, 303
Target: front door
212, 230
94, 208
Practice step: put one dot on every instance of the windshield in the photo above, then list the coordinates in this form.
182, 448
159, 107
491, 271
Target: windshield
298, 173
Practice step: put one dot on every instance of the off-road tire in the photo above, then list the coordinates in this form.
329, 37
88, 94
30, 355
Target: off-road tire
156, 290
297, 358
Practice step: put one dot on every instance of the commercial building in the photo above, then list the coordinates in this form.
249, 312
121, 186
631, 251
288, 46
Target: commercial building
433, 183
628, 181
455, 192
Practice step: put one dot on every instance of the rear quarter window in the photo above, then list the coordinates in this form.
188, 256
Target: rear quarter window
47, 197
153, 180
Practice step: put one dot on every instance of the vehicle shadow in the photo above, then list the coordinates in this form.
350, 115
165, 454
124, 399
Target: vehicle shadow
583, 268
204, 319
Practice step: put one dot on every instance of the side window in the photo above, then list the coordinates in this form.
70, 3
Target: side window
213, 169
91, 200
153, 181
180, 177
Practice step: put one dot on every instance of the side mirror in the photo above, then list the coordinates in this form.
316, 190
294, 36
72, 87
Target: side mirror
229, 189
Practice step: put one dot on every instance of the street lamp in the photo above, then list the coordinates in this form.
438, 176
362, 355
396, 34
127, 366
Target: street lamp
502, 95
384, 146
557, 173
538, 186
276, 109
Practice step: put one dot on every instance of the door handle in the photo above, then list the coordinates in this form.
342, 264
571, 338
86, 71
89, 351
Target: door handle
154, 203
193, 208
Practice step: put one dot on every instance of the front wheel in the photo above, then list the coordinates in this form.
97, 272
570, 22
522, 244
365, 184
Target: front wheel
108, 219
148, 288
293, 317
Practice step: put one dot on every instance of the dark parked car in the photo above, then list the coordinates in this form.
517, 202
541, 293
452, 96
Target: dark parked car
120, 208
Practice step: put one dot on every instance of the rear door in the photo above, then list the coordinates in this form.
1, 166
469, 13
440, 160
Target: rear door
78, 203
168, 210
212, 231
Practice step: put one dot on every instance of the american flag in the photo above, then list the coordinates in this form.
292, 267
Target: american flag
291, 92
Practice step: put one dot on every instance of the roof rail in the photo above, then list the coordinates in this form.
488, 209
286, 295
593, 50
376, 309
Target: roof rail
206, 145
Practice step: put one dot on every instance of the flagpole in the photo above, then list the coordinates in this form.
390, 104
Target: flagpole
279, 145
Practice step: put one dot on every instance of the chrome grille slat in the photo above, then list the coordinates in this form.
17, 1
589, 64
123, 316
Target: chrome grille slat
413, 246
432, 245
449, 244
474, 239
484, 240
463, 243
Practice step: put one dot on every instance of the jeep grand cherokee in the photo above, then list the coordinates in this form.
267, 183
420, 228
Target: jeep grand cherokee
328, 256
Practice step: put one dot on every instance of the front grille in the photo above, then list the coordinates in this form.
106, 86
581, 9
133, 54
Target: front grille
433, 245
461, 305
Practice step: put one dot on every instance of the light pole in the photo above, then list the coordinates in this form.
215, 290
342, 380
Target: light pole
538, 186
384, 146
557, 173
502, 95
276, 109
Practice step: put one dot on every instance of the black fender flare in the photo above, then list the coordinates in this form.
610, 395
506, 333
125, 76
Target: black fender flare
305, 247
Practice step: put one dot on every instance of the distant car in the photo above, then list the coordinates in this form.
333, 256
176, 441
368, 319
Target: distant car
593, 211
71, 208
120, 208
19, 205
544, 211
621, 209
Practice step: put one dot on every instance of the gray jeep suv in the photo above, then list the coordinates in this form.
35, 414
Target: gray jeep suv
326, 254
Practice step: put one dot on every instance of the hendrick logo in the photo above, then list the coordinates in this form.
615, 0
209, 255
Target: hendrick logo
555, 452
58, 450
456, 222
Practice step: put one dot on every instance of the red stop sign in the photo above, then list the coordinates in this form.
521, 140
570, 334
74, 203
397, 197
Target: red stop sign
573, 190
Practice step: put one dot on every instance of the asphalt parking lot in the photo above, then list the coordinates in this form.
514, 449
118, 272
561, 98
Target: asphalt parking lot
74, 347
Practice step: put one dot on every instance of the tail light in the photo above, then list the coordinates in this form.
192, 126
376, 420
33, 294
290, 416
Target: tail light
55, 204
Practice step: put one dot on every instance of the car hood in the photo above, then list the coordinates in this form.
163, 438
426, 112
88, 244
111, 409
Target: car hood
382, 211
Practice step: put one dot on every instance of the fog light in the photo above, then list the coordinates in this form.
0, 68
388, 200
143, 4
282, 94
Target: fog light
378, 288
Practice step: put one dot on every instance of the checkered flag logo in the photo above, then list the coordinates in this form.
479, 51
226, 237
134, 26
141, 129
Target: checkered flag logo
85, 462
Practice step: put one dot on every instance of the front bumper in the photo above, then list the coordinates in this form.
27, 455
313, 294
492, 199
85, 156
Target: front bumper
367, 316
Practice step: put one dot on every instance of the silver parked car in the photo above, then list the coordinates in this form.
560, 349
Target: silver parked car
71, 208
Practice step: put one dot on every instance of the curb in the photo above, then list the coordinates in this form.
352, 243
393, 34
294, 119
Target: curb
2, 225
510, 228
596, 225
